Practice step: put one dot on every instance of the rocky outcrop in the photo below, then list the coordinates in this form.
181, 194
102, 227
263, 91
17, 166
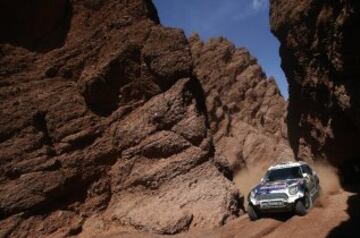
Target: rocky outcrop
245, 108
320, 56
104, 126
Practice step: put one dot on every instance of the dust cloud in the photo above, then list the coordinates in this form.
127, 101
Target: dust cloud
329, 182
329, 178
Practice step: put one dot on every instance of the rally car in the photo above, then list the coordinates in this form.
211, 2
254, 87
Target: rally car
287, 186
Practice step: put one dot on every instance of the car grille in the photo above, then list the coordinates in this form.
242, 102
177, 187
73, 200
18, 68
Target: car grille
271, 196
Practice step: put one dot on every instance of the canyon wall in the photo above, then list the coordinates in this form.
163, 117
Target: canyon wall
320, 54
102, 124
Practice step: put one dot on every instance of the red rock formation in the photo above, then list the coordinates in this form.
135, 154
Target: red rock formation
102, 124
246, 110
321, 58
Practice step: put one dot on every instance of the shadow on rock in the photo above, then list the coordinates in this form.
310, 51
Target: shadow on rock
349, 228
37, 26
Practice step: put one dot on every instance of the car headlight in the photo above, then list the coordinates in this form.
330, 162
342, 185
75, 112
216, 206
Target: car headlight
293, 190
252, 194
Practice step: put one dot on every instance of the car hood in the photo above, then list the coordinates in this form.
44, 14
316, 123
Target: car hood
276, 185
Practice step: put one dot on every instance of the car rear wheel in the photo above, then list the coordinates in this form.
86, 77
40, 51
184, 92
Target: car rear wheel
253, 215
302, 206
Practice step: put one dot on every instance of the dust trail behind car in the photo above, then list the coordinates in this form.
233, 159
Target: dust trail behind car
329, 182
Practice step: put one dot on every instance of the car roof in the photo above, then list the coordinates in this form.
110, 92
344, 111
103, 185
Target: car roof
287, 164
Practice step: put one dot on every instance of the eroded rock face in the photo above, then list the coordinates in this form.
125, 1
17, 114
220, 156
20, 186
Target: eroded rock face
246, 110
321, 58
107, 129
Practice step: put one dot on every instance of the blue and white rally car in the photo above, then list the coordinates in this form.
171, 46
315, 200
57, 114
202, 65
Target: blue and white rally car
287, 186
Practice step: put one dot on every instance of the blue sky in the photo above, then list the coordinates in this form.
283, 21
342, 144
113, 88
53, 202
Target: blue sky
244, 22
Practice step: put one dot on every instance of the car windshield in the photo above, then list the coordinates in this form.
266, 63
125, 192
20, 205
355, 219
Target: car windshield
282, 174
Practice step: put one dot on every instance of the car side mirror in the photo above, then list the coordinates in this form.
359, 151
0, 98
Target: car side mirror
262, 180
305, 175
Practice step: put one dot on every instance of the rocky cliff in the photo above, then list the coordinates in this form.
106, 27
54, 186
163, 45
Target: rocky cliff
247, 113
102, 123
321, 58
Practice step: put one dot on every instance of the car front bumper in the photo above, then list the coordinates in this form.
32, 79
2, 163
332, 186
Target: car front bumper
274, 205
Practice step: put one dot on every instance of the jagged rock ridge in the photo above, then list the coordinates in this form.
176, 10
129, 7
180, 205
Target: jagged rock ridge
246, 110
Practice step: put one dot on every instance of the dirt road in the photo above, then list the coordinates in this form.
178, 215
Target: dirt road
333, 216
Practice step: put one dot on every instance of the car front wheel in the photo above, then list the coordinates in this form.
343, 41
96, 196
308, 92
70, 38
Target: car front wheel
253, 215
302, 206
